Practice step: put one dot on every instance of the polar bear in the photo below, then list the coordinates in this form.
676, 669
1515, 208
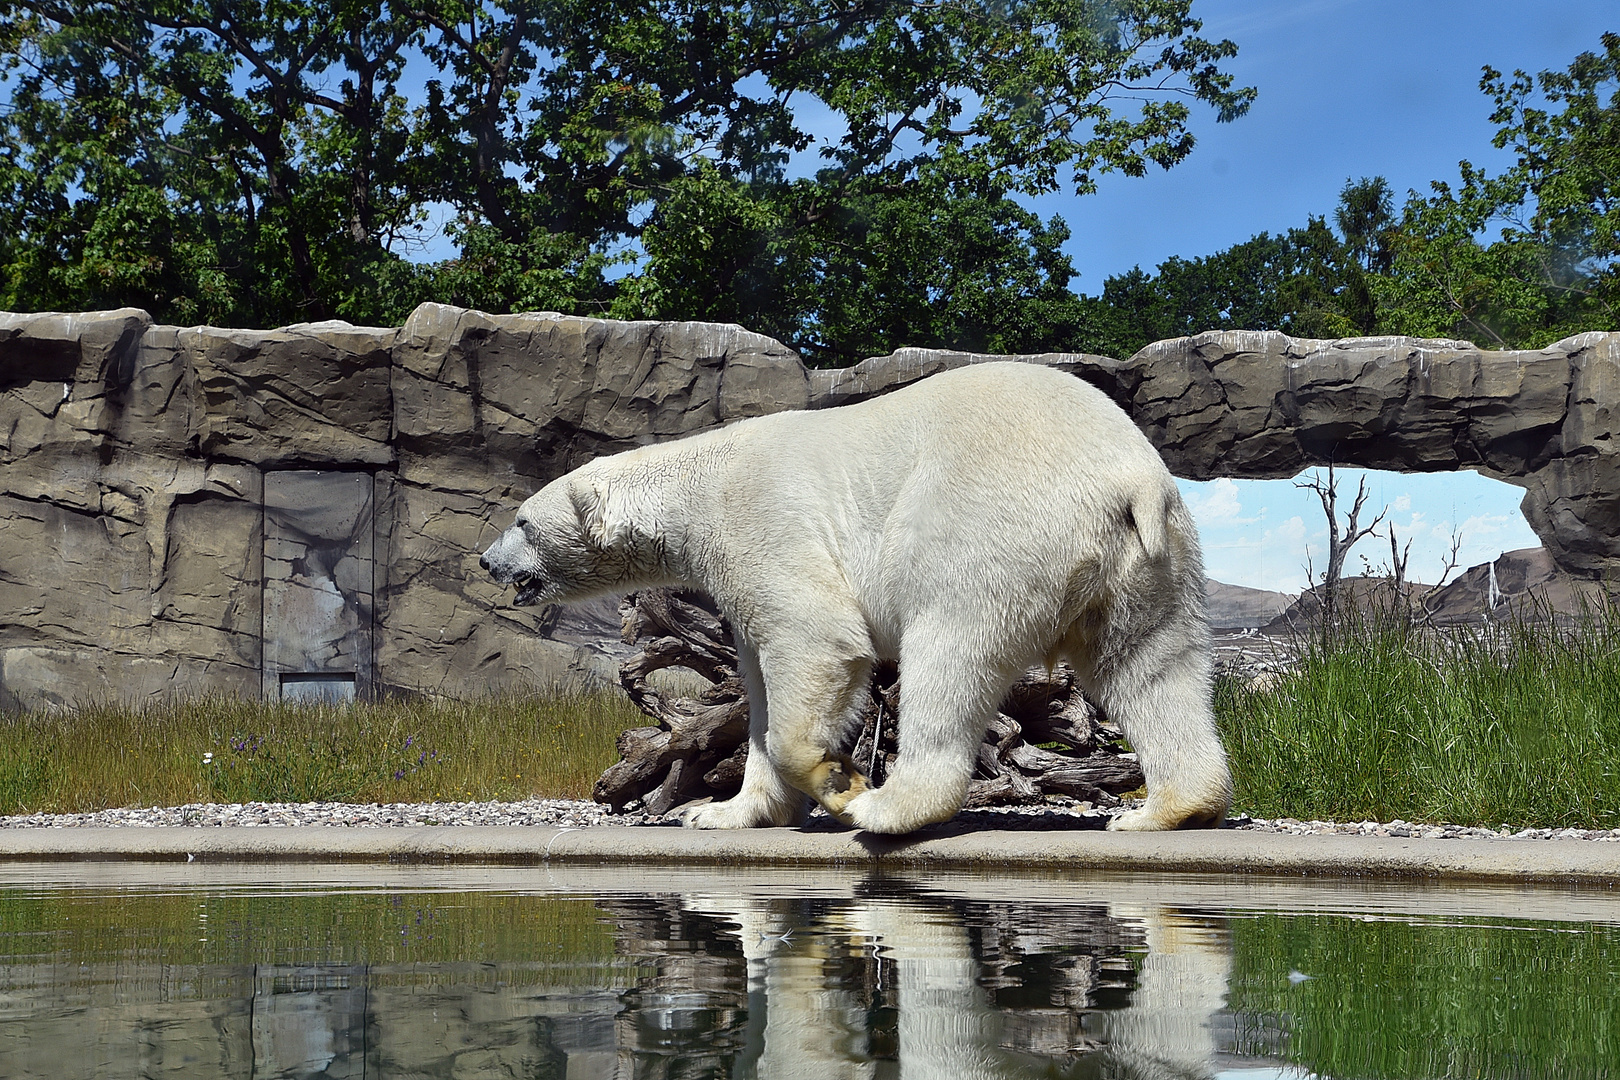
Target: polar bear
967, 526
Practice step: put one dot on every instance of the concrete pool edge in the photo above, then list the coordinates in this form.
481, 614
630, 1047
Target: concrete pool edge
1581, 862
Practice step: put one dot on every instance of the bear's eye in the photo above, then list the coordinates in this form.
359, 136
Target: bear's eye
522, 523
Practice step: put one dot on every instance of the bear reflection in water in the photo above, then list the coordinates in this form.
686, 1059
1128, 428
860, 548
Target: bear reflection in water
894, 982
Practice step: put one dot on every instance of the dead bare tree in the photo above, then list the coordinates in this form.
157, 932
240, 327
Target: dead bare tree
1401, 600
1340, 540
1446, 571
1398, 557
1418, 608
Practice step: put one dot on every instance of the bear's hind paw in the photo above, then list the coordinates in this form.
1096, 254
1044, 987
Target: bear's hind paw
834, 783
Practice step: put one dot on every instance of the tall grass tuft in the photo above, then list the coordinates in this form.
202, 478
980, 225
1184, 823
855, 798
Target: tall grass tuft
229, 750
1513, 724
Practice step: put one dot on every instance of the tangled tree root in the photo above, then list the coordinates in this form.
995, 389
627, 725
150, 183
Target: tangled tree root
1047, 739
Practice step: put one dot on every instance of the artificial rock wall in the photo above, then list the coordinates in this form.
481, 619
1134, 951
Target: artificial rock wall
299, 511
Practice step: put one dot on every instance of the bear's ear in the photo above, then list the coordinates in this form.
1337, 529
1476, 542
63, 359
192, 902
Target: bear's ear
602, 518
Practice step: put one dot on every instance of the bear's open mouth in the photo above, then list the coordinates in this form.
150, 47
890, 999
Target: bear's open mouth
528, 590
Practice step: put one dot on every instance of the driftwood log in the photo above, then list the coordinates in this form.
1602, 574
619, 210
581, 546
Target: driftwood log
1047, 740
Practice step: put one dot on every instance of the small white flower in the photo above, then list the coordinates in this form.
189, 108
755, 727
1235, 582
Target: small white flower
208, 757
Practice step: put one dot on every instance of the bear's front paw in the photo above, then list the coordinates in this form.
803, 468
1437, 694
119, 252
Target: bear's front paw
1137, 821
723, 815
738, 813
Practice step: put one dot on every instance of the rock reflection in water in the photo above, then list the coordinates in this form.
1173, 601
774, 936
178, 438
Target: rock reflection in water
893, 983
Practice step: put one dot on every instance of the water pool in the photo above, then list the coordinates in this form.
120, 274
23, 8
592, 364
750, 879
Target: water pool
147, 970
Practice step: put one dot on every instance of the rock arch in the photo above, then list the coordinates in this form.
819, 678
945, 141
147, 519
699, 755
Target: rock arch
134, 457
1264, 405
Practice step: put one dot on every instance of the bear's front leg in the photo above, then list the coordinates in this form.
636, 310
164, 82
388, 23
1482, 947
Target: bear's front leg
946, 699
766, 799
812, 689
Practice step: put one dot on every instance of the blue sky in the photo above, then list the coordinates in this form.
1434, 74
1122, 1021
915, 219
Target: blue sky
1348, 88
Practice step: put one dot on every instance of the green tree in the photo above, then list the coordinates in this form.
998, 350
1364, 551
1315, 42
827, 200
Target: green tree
257, 161
978, 273
1301, 282
1443, 282
239, 163
1511, 261
1366, 220
1550, 270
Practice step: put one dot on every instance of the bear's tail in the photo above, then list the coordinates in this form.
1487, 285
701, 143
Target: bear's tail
1150, 512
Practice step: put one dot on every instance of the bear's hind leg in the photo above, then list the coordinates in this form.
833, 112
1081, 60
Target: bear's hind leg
766, 799
1159, 695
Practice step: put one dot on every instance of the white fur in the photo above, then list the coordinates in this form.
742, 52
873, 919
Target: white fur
970, 525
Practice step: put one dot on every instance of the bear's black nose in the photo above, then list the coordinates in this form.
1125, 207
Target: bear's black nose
483, 560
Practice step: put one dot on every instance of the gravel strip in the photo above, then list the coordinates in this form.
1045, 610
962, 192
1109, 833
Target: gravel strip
572, 813
564, 812
1413, 829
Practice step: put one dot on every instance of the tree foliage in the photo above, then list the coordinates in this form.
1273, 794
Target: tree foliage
1550, 269
849, 178
845, 176
1516, 260
1302, 282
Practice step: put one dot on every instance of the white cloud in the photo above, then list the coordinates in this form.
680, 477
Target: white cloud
1482, 525
1219, 506
1291, 531
1413, 529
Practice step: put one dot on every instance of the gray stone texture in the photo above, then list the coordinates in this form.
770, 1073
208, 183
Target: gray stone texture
162, 493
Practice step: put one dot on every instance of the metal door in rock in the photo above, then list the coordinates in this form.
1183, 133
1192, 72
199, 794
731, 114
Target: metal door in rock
318, 585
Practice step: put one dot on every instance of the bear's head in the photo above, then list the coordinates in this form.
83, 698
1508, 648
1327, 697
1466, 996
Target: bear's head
571, 540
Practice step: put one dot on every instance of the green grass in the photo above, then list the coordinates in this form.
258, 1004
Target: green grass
1515, 725
228, 750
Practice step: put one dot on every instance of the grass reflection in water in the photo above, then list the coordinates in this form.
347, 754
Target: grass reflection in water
1409, 999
